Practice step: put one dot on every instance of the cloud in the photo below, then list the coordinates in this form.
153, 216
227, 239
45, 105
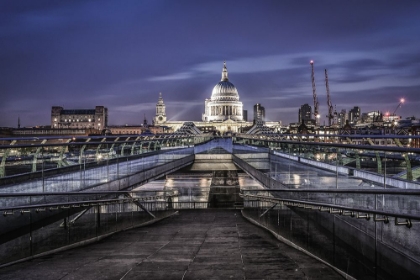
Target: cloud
84, 53
176, 76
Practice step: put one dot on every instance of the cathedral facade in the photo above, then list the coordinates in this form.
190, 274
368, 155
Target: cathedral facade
224, 103
223, 112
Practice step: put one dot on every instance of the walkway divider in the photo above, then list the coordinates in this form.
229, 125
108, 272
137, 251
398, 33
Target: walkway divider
352, 226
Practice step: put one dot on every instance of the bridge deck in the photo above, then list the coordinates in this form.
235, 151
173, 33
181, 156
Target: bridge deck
195, 244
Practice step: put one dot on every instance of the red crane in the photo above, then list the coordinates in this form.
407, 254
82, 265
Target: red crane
316, 112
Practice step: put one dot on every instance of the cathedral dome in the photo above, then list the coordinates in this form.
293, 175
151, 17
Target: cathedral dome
224, 90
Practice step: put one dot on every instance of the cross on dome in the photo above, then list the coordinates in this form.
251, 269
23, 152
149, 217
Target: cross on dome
224, 72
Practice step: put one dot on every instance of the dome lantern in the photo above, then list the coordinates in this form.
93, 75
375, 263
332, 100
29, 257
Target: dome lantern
224, 90
224, 73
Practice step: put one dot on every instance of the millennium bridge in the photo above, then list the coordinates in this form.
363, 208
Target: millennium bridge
206, 207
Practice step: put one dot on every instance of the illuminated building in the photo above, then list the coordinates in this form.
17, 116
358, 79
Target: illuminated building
79, 118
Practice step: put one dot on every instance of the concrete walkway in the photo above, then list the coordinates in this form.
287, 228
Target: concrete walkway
195, 244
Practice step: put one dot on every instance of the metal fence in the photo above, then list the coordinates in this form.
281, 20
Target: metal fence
36, 224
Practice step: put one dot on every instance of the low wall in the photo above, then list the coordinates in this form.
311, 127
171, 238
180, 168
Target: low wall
397, 247
397, 183
365, 175
115, 176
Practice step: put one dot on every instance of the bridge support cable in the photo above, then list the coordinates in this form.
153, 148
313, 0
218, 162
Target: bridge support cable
136, 202
82, 150
133, 147
123, 146
407, 160
63, 149
67, 223
99, 147
34, 161
378, 157
3, 160
112, 146
266, 211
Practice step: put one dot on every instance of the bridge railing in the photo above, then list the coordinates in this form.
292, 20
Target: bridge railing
388, 165
402, 207
76, 164
49, 155
122, 174
376, 241
364, 231
36, 224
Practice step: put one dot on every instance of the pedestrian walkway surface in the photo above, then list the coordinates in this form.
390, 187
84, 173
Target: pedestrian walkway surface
194, 244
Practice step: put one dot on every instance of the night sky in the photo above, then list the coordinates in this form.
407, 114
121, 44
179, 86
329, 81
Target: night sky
121, 54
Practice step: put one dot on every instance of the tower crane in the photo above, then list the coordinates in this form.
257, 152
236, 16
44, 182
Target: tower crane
316, 112
330, 115
402, 100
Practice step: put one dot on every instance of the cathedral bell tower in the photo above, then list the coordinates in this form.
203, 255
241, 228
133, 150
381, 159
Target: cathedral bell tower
160, 116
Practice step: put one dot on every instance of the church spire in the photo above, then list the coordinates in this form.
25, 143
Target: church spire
160, 100
224, 72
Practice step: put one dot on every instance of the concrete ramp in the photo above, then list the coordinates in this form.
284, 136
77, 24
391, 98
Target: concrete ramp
196, 244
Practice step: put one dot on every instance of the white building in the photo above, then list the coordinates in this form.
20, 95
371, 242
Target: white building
224, 103
223, 112
160, 117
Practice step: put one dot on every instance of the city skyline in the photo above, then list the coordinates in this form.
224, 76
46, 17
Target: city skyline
81, 54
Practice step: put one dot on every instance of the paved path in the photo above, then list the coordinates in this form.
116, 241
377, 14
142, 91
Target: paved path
195, 244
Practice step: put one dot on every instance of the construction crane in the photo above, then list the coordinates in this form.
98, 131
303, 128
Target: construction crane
402, 100
316, 112
330, 115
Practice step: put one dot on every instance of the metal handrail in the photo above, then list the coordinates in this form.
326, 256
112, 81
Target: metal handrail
77, 203
355, 191
78, 193
357, 136
331, 206
82, 143
344, 146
